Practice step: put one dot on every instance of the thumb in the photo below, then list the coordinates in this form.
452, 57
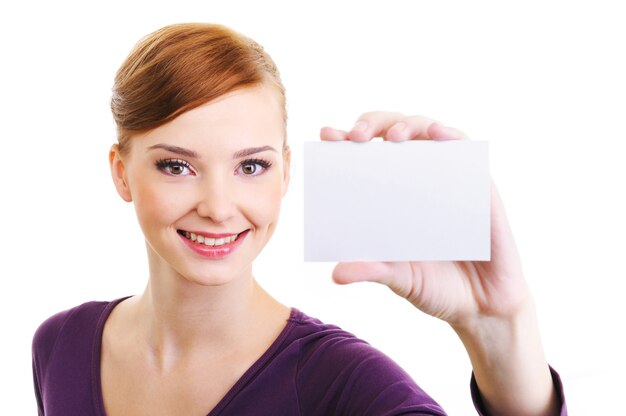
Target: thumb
345, 273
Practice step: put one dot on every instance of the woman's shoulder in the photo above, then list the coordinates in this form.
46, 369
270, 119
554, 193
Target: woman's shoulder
77, 323
319, 340
335, 362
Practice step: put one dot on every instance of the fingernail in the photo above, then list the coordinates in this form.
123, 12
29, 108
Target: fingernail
360, 126
440, 132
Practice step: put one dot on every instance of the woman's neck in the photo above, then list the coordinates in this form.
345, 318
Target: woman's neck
178, 318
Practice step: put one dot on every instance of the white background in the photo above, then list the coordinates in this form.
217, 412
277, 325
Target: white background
543, 81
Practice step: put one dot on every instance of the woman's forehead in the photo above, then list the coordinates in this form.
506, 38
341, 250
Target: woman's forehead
250, 117
259, 105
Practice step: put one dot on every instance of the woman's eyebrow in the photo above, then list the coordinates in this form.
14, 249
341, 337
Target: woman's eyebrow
175, 149
251, 151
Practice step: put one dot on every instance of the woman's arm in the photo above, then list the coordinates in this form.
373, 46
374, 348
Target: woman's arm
487, 303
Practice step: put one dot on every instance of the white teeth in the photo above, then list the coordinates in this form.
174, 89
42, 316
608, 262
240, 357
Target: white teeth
210, 241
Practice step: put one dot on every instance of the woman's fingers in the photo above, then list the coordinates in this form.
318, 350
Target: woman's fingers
397, 276
411, 128
351, 272
389, 126
333, 135
440, 132
394, 127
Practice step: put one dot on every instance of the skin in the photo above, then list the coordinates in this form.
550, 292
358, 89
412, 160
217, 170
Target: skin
199, 316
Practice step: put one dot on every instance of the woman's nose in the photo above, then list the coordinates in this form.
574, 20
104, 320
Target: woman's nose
215, 199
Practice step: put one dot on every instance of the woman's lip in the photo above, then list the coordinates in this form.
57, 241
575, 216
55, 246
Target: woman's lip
215, 252
211, 235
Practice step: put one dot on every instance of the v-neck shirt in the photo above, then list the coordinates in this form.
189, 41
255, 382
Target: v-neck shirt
311, 368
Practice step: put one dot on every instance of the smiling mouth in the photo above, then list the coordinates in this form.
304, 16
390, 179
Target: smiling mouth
207, 241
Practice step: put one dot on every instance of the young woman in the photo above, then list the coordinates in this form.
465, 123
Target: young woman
202, 154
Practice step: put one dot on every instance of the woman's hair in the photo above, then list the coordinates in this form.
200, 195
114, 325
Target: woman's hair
180, 67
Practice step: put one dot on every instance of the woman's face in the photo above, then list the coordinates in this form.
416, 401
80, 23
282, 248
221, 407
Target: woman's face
207, 186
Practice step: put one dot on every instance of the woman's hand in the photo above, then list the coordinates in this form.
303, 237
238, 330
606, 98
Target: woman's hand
487, 303
458, 291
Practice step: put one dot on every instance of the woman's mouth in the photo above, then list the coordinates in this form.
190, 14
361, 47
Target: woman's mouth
209, 241
212, 246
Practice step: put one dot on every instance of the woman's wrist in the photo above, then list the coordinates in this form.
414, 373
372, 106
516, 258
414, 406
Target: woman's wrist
509, 363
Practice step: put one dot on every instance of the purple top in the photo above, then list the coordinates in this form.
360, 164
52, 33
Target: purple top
311, 369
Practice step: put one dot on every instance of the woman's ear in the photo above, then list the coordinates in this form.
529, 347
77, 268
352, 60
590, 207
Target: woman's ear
286, 168
118, 173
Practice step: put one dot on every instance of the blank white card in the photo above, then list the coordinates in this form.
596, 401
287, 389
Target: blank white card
385, 201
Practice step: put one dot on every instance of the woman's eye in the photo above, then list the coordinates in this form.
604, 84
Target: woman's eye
174, 167
249, 169
254, 167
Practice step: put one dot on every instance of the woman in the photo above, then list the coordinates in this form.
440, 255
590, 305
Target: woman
202, 154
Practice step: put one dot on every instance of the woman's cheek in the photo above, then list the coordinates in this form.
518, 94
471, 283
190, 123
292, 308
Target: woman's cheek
265, 202
157, 204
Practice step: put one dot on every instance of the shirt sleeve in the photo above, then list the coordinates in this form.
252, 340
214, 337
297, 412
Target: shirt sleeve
556, 381
37, 390
44, 340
